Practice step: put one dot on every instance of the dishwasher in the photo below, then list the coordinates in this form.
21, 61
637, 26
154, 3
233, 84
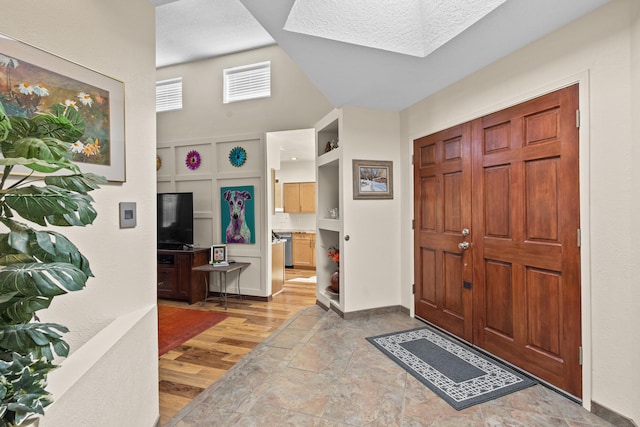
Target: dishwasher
288, 258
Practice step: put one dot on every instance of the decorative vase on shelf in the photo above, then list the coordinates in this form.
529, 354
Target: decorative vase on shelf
335, 281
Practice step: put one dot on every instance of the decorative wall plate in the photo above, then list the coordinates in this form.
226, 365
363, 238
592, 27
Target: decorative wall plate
237, 156
192, 160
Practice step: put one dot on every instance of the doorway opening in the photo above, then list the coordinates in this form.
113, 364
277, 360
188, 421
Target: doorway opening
292, 223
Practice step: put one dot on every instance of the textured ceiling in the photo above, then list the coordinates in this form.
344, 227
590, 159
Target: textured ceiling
191, 30
349, 74
411, 27
385, 54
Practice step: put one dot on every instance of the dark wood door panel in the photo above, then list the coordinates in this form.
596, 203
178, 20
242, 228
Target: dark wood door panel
530, 253
525, 160
167, 282
442, 178
516, 171
500, 307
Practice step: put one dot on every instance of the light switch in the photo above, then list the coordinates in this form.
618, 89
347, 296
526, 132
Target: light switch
127, 214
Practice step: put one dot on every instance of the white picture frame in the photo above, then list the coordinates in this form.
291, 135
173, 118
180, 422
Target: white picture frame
219, 255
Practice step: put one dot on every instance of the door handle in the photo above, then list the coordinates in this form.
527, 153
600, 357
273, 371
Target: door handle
463, 245
465, 232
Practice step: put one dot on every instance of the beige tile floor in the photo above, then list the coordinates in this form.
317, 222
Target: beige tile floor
318, 370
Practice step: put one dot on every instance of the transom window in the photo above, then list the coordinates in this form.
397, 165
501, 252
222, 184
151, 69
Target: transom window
247, 82
169, 95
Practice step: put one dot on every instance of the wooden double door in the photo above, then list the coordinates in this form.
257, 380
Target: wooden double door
497, 257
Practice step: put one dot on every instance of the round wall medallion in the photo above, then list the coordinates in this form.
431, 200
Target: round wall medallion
192, 160
237, 156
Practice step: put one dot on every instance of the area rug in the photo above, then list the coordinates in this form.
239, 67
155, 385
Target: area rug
457, 373
177, 325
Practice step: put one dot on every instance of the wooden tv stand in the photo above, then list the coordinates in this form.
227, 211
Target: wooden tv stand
175, 278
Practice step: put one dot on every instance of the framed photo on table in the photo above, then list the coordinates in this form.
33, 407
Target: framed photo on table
219, 255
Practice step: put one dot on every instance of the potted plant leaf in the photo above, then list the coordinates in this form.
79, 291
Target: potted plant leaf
37, 264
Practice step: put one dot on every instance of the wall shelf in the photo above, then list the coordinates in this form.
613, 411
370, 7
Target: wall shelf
329, 196
328, 224
327, 135
327, 158
361, 224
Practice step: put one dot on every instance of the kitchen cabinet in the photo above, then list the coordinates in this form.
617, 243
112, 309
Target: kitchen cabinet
304, 250
277, 267
299, 197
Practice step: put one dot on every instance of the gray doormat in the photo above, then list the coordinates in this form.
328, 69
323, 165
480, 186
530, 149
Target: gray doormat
457, 373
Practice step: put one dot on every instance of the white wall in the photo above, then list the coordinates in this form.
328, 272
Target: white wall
111, 378
297, 171
631, 312
213, 128
282, 221
295, 103
371, 225
214, 173
601, 51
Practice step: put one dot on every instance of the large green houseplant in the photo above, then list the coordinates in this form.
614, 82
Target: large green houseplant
35, 264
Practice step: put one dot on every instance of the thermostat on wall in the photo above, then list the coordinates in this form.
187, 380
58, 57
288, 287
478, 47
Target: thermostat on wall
127, 214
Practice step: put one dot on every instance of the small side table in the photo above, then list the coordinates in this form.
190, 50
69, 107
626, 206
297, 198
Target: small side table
223, 271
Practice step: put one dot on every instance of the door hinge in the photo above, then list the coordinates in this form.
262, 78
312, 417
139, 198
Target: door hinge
413, 224
412, 159
577, 118
580, 356
579, 238
413, 287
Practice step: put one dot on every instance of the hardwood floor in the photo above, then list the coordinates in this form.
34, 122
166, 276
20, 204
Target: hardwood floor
187, 370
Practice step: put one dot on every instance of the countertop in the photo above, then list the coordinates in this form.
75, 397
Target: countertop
293, 231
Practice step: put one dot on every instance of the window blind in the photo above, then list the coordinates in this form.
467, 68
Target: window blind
169, 95
247, 82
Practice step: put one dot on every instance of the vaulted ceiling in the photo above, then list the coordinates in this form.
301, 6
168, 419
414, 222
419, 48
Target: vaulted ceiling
385, 54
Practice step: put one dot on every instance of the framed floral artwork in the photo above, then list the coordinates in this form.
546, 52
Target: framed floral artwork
32, 81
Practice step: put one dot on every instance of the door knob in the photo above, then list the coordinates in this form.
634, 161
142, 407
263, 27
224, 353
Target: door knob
463, 245
465, 232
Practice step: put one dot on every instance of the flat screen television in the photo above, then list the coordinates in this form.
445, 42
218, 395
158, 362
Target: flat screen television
175, 220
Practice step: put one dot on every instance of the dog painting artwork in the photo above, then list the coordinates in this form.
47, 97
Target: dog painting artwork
237, 214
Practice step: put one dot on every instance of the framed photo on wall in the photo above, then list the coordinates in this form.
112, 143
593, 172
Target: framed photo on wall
33, 81
372, 179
